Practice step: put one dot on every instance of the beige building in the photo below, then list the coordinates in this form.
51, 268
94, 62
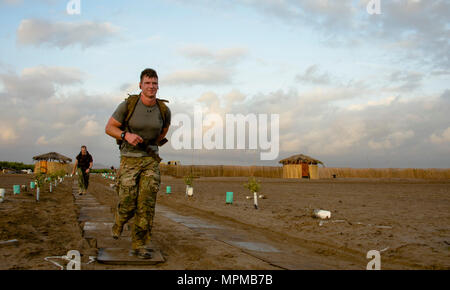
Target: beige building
301, 166
51, 163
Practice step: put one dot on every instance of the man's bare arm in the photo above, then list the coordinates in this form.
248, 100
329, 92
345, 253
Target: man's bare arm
74, 167
113, 129
90, 166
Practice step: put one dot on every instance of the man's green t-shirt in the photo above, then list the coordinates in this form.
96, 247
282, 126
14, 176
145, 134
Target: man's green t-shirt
146, 122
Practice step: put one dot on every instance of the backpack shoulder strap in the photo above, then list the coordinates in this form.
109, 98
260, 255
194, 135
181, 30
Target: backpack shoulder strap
162, 109
132, 101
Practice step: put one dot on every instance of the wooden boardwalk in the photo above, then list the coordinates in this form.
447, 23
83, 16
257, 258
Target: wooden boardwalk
96, 220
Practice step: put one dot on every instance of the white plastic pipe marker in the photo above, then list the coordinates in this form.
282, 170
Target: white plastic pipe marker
2, 194
322, 214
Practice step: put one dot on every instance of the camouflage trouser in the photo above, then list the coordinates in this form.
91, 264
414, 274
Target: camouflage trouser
83, 180
138, 181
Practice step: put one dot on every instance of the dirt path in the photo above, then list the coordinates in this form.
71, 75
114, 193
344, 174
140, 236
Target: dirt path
181, 246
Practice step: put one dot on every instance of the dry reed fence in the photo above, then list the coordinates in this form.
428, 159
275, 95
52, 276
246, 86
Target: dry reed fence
324, 172
221, 170
421, 173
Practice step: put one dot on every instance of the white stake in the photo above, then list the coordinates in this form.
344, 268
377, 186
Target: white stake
255, 197
50, 187
37, 194
189, 190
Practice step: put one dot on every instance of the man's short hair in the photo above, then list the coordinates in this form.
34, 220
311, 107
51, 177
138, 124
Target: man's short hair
83, 146
148, 72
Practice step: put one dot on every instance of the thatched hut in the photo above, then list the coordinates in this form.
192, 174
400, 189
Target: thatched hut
301, 166
51, 162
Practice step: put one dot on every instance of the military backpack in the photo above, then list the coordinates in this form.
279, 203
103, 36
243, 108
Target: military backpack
132, 101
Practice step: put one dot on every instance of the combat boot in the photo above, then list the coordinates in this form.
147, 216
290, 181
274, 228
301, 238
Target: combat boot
143, 253
116, 231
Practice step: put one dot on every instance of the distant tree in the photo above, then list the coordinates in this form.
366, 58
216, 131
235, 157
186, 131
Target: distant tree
15, 165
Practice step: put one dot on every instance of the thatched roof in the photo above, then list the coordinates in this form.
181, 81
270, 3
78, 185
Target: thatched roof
53, 156
300, 158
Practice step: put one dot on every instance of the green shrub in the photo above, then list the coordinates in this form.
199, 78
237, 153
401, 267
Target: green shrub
253, 185
102, 171
60, 173
53, 176
41, 179
189, 179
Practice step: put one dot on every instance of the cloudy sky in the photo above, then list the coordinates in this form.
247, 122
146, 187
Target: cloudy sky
352, 89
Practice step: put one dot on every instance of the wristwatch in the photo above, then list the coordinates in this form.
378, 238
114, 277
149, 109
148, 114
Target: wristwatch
122, 136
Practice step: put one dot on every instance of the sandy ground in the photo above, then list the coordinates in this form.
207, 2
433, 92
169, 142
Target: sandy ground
45, 228
49, 228
408, 219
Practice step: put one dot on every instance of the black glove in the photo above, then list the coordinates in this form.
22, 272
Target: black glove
162, 142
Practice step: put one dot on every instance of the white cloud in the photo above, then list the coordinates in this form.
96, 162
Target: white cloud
22, 122
442, 138
204, 76
58, 120
91, 128
219, 57
64, 34
8, 134
59, 125
58, 75
211, 100
38, 82
339, 137
392, 140
381, 102
42, 141
234, 97
215, 66
415, 31
311, 122
408, 81
311, 75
